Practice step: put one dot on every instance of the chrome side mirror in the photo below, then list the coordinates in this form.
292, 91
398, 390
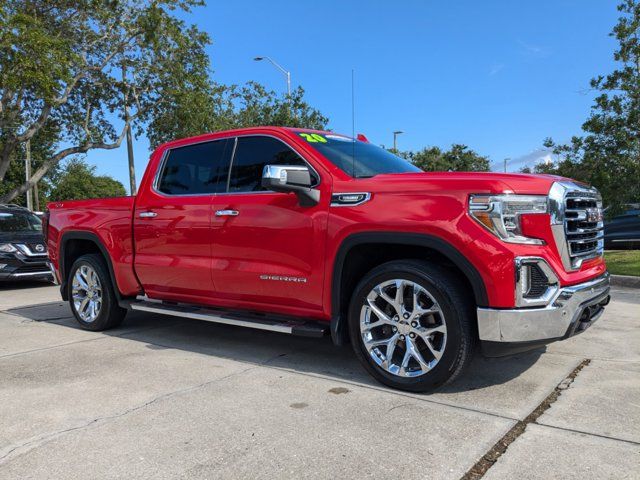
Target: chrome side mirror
291, 178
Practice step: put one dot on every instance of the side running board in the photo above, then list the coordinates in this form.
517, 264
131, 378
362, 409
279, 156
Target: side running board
273, 323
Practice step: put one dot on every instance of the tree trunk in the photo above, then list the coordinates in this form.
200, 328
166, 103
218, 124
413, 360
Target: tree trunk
5, 158
49, 163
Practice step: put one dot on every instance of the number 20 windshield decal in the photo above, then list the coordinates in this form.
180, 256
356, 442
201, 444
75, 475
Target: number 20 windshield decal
313, 137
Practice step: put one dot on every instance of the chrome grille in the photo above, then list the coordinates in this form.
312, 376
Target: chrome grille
583, 224
576, 223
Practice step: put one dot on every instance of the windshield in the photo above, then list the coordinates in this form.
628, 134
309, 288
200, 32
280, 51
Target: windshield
19, 222
356, 158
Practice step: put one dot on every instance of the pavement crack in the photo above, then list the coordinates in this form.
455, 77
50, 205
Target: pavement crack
402, 405
489, 459
591, 434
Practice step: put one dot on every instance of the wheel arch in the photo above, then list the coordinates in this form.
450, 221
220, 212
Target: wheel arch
76, 243
417, 244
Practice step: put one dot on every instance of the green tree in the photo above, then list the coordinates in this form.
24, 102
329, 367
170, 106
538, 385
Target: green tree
608, 155
42, 146
256, 105
459, 158
218, 107
77, 181
92, 67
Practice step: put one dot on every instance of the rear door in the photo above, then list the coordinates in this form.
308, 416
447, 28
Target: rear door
172, 223
267, 249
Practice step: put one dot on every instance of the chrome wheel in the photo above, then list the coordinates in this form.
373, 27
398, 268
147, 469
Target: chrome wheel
403, 328
86, 292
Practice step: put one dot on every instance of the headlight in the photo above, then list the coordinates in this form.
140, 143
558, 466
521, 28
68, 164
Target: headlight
500, 214
7, 248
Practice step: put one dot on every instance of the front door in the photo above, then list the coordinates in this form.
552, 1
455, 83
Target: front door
268, 251
172, 223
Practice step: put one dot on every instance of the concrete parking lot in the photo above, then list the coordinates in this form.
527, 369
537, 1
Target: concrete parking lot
166, 398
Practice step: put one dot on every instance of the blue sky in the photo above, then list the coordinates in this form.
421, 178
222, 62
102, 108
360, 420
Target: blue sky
498, 76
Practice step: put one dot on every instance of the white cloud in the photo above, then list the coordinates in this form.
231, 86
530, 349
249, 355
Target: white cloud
534, 50
495, 68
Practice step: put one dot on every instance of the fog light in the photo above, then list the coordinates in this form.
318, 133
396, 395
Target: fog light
2, 265
536, 283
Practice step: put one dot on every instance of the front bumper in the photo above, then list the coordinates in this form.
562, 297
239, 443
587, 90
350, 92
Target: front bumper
572, 310
21, 267
40, 274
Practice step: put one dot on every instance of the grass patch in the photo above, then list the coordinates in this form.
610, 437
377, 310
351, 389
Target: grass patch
623, 262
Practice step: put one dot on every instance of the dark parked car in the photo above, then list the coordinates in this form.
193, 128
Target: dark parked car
23, 254
623, 231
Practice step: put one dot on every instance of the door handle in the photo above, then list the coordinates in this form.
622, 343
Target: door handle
227, 213
147, 214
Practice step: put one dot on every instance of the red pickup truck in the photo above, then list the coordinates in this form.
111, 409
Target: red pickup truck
309, 232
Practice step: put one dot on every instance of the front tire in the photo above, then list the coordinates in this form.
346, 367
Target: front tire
91, 294
411, 325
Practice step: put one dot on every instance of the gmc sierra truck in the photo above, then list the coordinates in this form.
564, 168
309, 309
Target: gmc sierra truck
310, 233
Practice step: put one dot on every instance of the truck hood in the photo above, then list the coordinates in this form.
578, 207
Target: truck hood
473, 182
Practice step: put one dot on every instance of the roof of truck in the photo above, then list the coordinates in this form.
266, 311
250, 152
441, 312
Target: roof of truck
240, 131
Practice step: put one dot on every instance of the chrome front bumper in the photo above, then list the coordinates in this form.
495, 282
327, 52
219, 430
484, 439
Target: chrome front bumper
570, 311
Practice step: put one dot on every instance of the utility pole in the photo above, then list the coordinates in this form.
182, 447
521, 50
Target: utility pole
36, 197
506, 160
27, 170
132, 168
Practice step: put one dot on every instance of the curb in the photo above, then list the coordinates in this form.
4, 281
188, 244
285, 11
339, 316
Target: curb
625, 281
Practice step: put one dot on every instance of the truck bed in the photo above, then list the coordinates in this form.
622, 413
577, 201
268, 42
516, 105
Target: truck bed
108, 219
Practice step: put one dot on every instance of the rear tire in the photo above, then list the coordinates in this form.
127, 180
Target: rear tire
91, 294
428, 329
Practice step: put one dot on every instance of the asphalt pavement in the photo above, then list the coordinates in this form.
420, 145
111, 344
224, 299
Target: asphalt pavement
161, 397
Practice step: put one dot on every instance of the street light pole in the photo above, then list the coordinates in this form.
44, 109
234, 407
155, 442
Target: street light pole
395, 139
284, 71
289, 85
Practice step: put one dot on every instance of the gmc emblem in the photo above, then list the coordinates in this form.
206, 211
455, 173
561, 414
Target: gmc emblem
594, 214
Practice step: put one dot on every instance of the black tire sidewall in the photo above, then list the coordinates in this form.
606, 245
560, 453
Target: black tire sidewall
425, 277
